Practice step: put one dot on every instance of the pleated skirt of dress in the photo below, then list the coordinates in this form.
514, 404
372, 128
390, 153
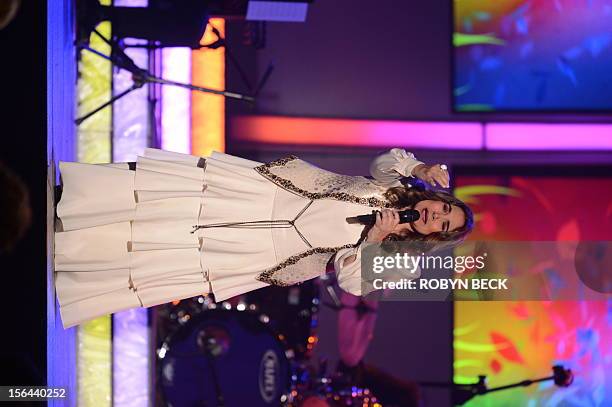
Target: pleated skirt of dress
126, 238
119, 247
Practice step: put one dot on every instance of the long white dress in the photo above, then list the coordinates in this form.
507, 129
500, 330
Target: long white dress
127, 236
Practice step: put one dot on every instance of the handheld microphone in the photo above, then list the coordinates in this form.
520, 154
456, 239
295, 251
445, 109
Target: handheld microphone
406, 216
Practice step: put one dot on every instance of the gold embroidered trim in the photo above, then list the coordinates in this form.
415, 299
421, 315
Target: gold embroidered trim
340, 196
266, 276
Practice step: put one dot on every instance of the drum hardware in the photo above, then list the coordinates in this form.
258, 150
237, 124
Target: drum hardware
316, 389
294, 313
332, 294
213, 341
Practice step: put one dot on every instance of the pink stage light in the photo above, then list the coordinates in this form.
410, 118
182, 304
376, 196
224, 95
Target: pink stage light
176, 102
544, 136
366, 133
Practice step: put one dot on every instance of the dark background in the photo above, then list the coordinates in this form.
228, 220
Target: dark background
23, 149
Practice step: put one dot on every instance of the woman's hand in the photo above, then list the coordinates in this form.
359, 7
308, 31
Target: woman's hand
432, 174
386, 222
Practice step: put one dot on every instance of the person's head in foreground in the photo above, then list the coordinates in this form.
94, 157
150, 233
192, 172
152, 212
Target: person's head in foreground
15, 210
8, 11
444, 221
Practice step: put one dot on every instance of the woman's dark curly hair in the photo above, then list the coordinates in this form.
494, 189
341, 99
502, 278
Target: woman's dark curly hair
402, 197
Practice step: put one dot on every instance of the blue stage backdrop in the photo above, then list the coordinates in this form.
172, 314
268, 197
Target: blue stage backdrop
532, 55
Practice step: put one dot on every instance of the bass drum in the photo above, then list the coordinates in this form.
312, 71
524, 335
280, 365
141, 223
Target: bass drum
224, 353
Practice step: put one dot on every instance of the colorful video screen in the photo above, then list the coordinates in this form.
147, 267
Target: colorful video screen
511, 341
532, 55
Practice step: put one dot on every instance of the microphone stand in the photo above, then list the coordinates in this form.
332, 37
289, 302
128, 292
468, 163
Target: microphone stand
221, 42
211, 350
141, 76
462, 393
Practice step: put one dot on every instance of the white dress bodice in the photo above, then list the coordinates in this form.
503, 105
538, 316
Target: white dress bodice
322, 224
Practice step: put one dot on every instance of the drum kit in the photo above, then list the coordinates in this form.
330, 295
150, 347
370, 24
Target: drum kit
255, 350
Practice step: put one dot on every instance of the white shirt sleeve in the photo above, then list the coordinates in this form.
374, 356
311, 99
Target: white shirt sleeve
388, 168
349, 275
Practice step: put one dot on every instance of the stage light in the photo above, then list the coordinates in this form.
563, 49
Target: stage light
547, 136
208, 110
357, 133
176, 102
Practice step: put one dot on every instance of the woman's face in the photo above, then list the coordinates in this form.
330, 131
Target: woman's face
438, 216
